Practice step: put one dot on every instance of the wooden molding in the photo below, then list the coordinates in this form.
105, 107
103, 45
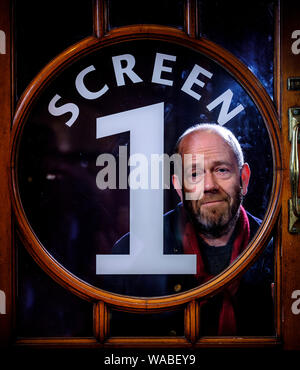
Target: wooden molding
100, 18
191, 18
101, 321
192, 321
149, 342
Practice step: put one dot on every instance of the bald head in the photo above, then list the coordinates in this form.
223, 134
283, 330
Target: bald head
215, 179
194, 133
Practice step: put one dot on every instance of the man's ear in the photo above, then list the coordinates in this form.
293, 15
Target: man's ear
177, 185
245, 177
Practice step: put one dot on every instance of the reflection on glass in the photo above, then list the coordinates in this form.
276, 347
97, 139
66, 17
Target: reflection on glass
244, 28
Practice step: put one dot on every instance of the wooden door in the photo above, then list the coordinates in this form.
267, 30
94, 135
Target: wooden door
99, 306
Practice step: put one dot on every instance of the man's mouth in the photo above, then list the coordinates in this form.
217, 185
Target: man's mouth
212, 202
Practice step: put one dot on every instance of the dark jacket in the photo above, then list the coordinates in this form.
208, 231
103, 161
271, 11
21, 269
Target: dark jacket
253, 303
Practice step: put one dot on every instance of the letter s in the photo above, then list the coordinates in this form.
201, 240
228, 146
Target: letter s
66, 108
296, 305
296, 44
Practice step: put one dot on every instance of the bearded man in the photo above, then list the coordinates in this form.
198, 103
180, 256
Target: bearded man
212, 192
211, 222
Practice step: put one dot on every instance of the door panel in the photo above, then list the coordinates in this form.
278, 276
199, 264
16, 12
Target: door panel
253, 45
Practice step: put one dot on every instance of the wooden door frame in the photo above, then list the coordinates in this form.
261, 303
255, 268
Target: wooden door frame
287, 257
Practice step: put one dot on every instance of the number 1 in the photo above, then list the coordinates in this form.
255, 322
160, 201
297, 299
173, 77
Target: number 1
146, 127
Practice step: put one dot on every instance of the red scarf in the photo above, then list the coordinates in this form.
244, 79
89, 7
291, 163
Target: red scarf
227, 320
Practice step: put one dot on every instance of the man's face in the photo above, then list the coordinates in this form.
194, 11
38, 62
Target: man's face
215, 186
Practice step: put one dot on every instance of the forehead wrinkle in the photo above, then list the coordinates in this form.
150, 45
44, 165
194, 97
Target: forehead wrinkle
198, 142
194, 143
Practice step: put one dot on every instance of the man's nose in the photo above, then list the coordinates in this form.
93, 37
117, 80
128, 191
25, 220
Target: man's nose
210, 182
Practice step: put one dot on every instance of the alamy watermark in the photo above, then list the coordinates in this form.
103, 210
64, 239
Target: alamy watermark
2, 303
151, 173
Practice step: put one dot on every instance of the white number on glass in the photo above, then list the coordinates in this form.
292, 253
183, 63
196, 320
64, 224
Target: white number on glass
146, 127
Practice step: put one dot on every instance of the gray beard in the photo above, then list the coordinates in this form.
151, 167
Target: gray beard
215, 227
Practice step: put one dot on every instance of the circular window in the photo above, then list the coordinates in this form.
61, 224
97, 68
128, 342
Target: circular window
92, 165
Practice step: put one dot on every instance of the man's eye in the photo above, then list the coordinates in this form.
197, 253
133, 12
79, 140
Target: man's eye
223, 171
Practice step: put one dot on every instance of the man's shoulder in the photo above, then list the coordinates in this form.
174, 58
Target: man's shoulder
174, 212
254, 223
121, 246
262, 271
171, 219
254, 219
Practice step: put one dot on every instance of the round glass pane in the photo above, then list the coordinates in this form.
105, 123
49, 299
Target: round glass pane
94, 127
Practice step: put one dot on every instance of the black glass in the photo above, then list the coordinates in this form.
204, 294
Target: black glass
44, 308
45, 29
244, 28
163, 12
